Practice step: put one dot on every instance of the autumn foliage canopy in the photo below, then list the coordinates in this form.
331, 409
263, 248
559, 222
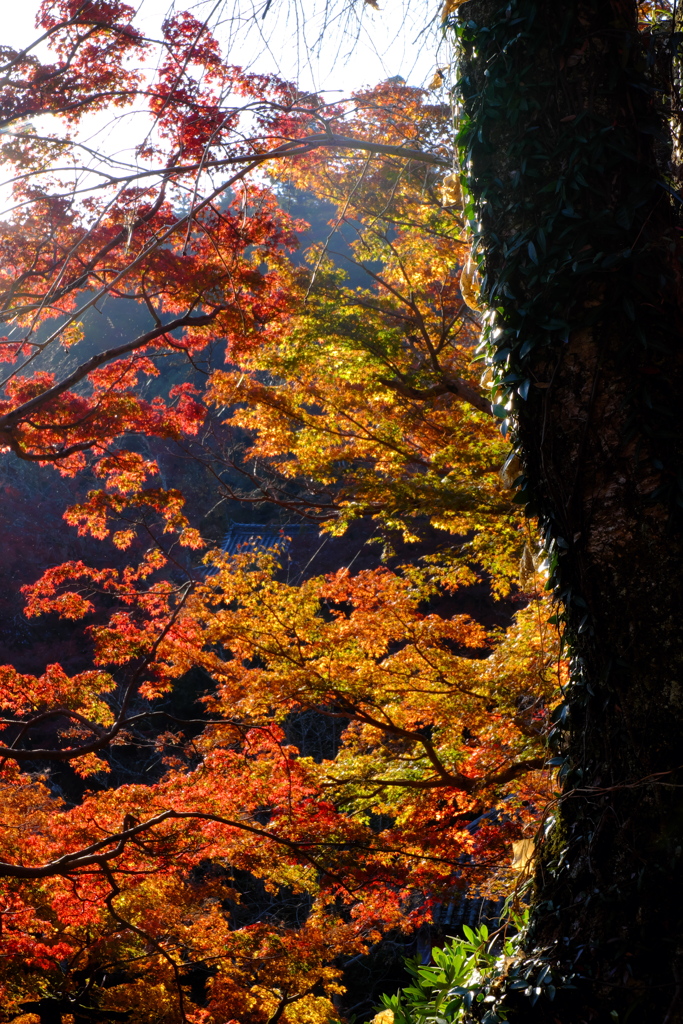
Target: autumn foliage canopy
234, 876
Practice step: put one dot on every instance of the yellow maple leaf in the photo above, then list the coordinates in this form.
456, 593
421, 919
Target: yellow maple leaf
437, 80
72, 334
449, 7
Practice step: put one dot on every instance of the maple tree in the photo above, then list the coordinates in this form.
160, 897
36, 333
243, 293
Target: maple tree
129, 902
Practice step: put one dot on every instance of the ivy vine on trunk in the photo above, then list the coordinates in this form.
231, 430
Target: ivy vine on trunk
564, 148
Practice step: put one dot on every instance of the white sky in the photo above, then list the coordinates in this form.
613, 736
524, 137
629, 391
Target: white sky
360, 46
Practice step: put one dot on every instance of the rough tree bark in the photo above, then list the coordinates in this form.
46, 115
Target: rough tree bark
565, 120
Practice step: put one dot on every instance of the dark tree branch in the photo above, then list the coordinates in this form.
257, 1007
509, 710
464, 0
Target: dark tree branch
10, 420
449, 385
98, 854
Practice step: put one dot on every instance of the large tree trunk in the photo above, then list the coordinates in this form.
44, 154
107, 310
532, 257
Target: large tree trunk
580, 240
